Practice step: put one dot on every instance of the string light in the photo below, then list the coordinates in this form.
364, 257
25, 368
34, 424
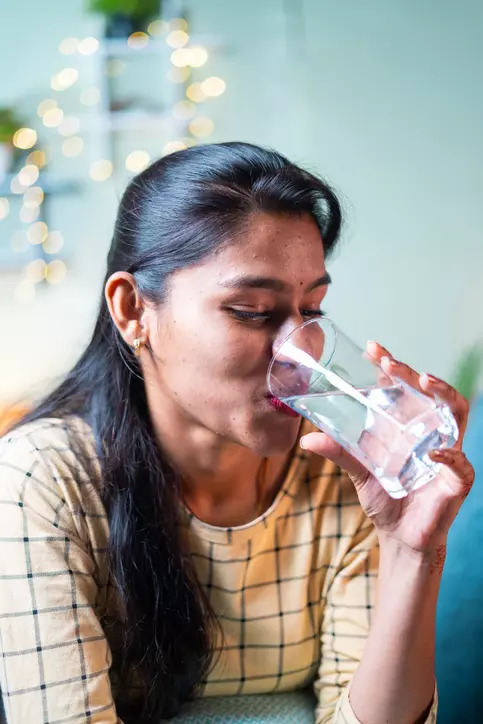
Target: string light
213, 86
35, 271
180, 57
25, 138
24, 291
100, 170
16, 187
45, 106
69, 126
198, 56
55, 271
178, 24
38, 158
173, 146
37, 233
28, 214
72, 146
28, 175
201, 126
137, 161
138, 40
177, 39
33, 197
195, 93
4, 208
64, 79
157, 28
53, 117
53, 243
88, 46
69, 46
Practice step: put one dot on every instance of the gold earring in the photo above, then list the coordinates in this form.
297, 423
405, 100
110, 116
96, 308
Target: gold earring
137, 346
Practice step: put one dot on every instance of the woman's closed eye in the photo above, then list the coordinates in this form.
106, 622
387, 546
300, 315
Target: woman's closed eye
262, 317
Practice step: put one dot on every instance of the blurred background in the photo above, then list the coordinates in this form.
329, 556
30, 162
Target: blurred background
381, 97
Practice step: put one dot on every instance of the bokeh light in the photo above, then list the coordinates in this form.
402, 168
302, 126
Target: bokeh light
25, 138
178, 24
38, 158
53, 243
33, 197
46, 105
213, 86
55, 271
137, 161
69, 46
100, 170
28, 175
69, 126
195, 93
157, 28
53, 117
138, 40
173, 146
198, 56
72, 146
201, 126
64, 79
4, 208
37, 233
177, 39
88, 46
35, 271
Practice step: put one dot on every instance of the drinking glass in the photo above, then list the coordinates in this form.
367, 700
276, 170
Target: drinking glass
379, 419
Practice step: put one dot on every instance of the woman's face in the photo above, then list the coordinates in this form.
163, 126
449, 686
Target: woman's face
213, 337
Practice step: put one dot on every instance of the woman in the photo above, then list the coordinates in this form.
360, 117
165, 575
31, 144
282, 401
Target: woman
164, 533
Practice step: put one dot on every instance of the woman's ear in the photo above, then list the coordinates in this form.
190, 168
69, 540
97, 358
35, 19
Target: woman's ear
125, 306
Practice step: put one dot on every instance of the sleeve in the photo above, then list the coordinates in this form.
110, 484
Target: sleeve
348, 602
55, 658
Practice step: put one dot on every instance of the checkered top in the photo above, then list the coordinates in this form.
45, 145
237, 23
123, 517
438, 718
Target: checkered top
293, 589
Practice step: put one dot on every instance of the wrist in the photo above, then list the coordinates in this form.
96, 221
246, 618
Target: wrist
396, 555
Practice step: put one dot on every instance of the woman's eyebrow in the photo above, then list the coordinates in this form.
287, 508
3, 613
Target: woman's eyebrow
277, 285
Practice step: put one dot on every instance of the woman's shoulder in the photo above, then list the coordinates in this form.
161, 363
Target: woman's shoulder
49, 437
55, 452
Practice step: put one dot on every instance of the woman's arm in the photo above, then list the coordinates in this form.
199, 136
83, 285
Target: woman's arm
394, 681
55, 657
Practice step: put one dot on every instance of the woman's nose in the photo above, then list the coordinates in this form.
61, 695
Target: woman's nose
285, 329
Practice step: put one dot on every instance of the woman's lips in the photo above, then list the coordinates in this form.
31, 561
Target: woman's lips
281, 406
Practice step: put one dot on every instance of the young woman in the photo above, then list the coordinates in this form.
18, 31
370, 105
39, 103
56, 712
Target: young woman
165, 531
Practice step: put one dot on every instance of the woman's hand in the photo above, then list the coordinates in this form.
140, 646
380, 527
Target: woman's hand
421, 520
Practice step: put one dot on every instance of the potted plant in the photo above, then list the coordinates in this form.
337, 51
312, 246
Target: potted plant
124, 17
9, 123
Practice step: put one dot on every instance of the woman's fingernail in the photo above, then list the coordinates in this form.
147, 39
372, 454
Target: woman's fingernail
302, 443
387, 360
430, 379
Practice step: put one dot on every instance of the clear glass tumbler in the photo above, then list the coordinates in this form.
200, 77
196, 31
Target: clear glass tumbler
379, 419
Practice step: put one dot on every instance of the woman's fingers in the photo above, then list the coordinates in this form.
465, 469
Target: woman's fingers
458, 404
460, 473
322, 444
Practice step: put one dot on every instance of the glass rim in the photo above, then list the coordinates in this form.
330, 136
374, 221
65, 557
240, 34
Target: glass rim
287, 337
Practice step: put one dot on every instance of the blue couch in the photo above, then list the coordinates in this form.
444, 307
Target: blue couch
459, 644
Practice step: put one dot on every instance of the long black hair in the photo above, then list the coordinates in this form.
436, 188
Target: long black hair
173, 214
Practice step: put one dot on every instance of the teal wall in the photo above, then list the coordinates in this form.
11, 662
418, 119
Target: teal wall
382, 98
